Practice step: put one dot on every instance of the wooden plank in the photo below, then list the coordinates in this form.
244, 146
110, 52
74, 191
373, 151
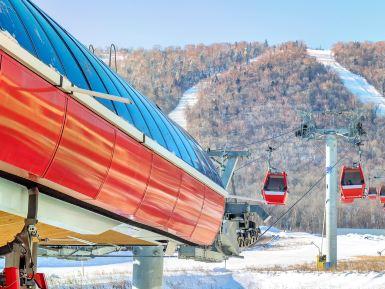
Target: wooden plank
10, 225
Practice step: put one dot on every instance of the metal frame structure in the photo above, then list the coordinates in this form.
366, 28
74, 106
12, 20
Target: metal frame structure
21, 254
227, 161
353, 132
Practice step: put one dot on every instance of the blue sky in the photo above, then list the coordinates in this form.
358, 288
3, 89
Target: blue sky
145, 23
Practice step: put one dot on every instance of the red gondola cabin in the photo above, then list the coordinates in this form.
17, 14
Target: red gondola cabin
372, 193
274, 190
352, 182
381, 194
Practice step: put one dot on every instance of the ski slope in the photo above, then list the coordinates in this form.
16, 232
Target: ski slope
356, 84
188, 99
261, 268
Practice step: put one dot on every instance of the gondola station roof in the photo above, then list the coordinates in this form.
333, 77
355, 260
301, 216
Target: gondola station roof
39, 34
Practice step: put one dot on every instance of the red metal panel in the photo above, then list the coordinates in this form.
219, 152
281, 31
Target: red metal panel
46, 133
31, 118
127, 179
12, 278
161, 194
210, 219
85, 152
188, 206
40, 280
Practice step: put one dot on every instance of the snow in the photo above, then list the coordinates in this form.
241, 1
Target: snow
296, 280
262, 267
356, 84
188, 100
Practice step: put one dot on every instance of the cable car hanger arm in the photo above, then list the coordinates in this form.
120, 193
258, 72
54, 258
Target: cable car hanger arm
72, 89
241, 198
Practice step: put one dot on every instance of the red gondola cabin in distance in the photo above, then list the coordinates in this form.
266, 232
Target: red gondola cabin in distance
274, 189
381, 194
352, 182
372, 193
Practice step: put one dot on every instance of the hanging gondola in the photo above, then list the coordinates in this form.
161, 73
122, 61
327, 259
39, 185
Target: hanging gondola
352, 182
381, 194
372, 193
274, 189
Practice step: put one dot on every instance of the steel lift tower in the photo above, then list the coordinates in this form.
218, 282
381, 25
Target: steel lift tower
347, 125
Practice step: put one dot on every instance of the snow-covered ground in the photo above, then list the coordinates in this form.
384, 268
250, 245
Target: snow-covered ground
189, 99
257, 270
356, 84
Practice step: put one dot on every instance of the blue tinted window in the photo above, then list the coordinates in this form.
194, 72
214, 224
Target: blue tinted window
114, 88
204, 160
10, 22
41, 43
183, 148
127, 110
107, 85
89, 71
169, 134
71, 67
150, 121
185, 154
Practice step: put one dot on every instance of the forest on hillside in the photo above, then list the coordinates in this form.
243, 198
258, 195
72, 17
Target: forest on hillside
364, 58
163, 74
243, 101
262, 99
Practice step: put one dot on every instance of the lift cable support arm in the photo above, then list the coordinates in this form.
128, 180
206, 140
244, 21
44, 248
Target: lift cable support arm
228, 161
329, 125
102, 95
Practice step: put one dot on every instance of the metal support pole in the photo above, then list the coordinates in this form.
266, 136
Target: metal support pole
35, 249
331, 201
13, 259
229, 171
148, 267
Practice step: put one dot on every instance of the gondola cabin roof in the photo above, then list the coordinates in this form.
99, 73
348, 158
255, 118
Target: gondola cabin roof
39, 34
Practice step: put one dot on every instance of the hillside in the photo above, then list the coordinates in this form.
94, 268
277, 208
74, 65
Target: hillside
260, 100
366, 59
253, 100
163, 74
